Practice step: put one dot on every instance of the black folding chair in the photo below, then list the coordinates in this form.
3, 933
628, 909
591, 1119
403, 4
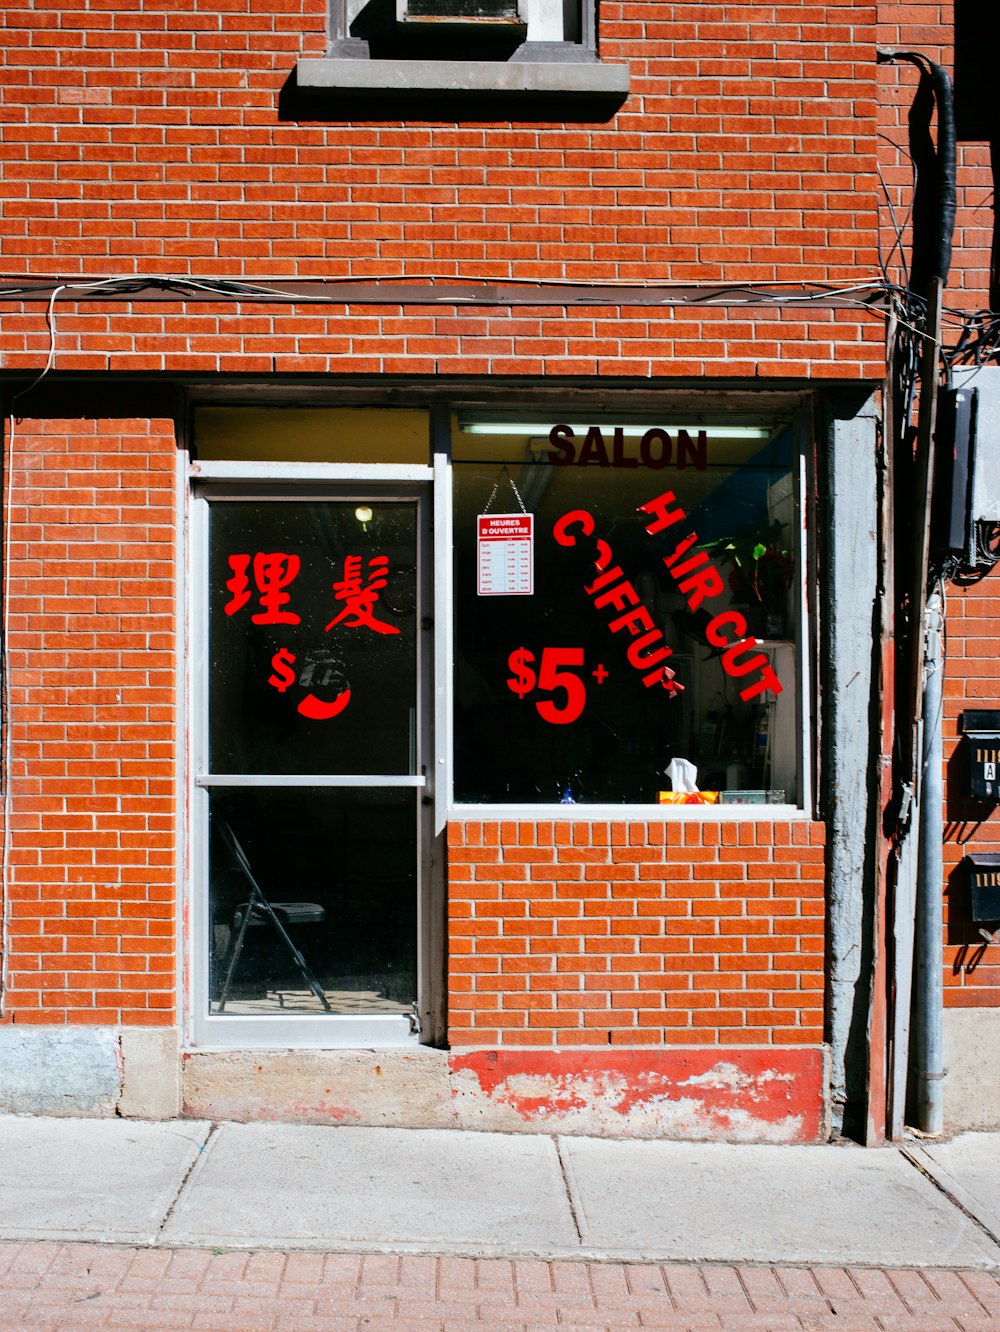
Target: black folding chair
258, 910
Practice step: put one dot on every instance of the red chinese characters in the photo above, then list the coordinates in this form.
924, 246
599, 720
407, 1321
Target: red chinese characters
266, 576
360, 597
272, 572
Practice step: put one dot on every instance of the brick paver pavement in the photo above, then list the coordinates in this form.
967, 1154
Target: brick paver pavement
76, 1287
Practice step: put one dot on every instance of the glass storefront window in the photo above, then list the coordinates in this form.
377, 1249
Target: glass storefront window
641, 645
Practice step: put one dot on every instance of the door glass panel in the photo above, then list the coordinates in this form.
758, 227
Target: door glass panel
312, 637
311, 795
335, 869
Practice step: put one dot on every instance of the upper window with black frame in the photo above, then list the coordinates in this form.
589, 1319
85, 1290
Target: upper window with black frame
469, 29
627, 612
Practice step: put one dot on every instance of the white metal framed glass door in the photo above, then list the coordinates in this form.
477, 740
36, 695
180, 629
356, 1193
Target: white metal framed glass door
309, 802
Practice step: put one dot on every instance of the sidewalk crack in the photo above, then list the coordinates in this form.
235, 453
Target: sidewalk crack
952, 1190
213, 1129
567, 1185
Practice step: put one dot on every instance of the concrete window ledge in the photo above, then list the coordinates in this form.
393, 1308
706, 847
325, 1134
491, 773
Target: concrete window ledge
464, 77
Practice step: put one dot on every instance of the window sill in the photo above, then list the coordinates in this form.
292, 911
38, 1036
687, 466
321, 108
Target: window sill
459, 78
628, 814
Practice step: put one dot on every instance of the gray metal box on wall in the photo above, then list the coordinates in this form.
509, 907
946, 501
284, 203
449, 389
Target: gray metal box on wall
985, 487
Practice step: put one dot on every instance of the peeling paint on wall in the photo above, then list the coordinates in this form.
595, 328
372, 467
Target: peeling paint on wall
745, 1096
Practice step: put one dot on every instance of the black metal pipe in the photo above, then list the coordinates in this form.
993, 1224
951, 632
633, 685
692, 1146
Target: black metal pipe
919, 731
937, 196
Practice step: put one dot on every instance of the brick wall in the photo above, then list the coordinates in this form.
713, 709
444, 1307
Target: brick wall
163, 138
927, 26
150, 137
92, 660
972, 968
635, 934
823, 344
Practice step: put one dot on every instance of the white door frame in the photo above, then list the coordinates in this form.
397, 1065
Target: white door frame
314, 481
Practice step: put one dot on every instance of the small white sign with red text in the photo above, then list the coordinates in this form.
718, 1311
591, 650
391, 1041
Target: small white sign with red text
506, 554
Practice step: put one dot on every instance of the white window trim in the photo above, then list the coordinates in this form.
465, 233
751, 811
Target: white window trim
204, 1030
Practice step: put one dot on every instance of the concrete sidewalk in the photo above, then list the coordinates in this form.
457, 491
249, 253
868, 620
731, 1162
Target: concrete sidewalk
192, 1184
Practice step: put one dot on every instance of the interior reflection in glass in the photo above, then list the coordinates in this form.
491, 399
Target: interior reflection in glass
337, 867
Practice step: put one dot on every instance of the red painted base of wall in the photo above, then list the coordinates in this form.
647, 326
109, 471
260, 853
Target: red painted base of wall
754, 1094
745, 1095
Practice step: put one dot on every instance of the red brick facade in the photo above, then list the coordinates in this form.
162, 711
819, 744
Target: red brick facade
154, 140
92, 707
169, 141
636, 934
972, 971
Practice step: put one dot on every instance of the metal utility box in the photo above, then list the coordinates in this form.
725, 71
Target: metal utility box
984, 878
982, 732
984, 456
952, 529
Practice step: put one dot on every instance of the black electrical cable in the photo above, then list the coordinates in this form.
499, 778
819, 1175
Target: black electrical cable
936, 197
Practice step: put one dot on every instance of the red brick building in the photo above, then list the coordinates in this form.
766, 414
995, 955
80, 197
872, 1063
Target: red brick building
447, 550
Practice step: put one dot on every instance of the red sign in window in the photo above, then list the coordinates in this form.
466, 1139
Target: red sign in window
506, 555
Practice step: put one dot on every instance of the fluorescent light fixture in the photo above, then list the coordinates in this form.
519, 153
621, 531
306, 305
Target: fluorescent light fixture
631, 430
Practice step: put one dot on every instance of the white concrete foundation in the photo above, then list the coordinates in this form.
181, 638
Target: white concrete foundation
92, 1071
59, 1070
972, 1082
151, 1073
